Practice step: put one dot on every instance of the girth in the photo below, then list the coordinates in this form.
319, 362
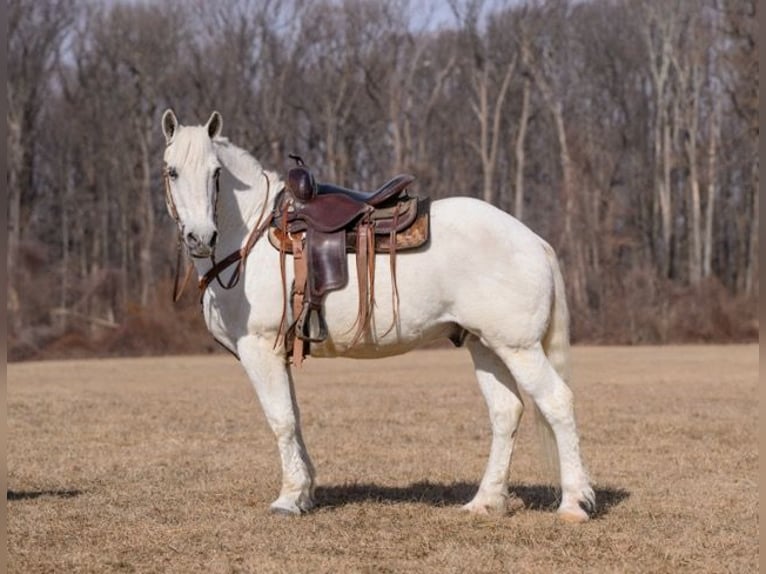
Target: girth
320, 229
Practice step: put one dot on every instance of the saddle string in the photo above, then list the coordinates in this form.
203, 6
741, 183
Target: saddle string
365, 272
371, 256
283, 274
392, 264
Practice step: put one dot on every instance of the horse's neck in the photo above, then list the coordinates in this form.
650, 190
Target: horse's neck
246, 195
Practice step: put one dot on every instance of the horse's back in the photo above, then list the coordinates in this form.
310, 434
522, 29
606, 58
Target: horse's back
468, 216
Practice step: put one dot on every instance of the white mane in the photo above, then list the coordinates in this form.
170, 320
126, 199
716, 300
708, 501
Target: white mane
240, 162
246, 170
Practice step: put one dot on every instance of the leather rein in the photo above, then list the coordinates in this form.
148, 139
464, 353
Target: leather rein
239, 256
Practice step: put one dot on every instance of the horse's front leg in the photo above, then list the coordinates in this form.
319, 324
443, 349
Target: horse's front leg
273, 384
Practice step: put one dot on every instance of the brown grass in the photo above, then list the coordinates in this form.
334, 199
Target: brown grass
167, 465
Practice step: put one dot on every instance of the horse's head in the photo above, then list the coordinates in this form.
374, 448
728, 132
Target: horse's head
191, 180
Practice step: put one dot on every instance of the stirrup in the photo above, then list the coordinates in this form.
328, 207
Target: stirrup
303, 325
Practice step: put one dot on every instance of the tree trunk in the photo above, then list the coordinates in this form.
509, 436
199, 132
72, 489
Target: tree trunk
124, 255
664, 193
569, 245
566, 170
657, 32
695, 217
146, 241
712, 192
397, 131
14, 221
66, 198
751, 269
521, 136
489, 124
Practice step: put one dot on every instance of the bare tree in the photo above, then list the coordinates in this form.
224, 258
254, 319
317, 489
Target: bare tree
712, 188
740, 18
489, 70
659, 28
688, 68
521, 131
35, 34
550, 77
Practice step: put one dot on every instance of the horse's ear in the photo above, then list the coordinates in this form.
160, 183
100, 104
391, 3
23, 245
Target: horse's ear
214, 125
169, 125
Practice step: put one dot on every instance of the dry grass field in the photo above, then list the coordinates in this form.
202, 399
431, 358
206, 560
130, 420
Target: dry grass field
167, 465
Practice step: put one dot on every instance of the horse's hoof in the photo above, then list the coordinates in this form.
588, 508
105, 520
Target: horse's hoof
580, 509
486, 507
285, 508
573, 515
288, 507
479, 509
281, 511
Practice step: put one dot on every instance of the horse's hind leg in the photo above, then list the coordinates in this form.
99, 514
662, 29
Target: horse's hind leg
505, 408
274, 386
536, 376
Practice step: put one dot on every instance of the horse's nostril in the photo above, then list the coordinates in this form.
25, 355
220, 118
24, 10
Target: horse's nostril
213, 238
191, 238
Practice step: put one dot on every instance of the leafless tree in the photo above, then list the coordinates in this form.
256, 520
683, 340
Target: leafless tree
36, 31
624, 131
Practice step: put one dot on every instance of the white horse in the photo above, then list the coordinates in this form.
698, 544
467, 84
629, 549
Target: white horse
483, 273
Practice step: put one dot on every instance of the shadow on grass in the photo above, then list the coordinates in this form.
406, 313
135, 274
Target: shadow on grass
535, 497
14, 495
546, 498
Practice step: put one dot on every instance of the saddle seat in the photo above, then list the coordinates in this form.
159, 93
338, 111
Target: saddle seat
393, 188
319, 224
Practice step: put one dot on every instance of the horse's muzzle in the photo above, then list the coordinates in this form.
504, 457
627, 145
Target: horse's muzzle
201, 246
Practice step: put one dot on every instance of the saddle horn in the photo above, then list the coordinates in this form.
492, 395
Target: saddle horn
298, 159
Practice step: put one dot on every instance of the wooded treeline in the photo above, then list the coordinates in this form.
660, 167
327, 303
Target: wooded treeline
623, 131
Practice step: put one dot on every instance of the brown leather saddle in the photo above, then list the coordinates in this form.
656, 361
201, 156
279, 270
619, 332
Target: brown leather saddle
319, 224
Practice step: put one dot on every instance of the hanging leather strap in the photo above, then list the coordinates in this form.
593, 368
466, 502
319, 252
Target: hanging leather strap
301, 276
178, 291
365, 274
281, 333
392, 265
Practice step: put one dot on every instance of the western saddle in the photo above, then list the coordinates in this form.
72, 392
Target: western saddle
319, 224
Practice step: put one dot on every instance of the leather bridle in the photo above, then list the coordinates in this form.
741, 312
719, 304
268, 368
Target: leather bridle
239, 256
171, 205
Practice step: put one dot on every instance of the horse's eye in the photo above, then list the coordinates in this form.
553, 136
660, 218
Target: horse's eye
172, 173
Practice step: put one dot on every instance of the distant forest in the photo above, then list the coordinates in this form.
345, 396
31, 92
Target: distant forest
623, 131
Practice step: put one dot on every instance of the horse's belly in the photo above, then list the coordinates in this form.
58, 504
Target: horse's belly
386, 346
